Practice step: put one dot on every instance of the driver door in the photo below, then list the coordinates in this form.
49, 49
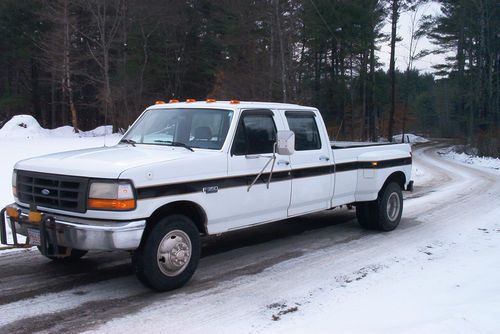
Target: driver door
252, 149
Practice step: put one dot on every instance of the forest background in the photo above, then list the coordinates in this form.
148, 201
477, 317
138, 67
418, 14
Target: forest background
90, 62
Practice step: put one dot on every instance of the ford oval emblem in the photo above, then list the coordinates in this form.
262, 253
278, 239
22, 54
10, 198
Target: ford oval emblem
45, 192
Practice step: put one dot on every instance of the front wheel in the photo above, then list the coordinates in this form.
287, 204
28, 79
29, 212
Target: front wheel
169, 255
385, 212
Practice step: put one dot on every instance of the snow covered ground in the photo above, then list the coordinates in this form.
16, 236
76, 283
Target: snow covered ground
474, 160
27, 127
437, 273
411, 138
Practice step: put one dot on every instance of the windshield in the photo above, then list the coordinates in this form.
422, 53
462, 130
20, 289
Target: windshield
200, 128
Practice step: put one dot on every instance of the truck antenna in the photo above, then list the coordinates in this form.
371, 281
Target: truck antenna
105, 121
338, 131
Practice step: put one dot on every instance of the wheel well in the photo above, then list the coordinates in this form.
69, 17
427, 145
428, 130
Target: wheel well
398, 177
189, 209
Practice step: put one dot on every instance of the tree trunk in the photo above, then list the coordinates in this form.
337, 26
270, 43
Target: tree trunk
124, 13
351, 89
271, 56
392, 66
35, 91
372, 133
282, 52
363, 75
67, 71
53, 99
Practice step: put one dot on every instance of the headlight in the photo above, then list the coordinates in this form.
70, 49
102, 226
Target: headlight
111, 196
14, 183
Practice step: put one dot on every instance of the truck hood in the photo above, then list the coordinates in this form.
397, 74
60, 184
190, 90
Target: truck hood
104, 162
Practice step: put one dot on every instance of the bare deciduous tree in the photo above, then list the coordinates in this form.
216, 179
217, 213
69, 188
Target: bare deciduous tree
107, 19
57, 51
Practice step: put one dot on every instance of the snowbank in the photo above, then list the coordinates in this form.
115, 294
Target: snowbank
486, 162
22, 126
413, 138
26, 126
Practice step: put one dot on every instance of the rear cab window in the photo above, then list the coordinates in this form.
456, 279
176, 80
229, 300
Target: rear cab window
303, 124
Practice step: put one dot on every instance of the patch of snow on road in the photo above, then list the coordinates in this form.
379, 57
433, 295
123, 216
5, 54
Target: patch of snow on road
419, 174
448, 287
486, 162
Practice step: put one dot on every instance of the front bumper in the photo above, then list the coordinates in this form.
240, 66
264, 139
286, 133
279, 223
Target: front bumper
78, 233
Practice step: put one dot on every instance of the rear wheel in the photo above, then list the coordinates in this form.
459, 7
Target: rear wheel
169, 255
385, 212
67, 254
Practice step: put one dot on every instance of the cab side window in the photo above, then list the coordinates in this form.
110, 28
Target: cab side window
256, 134
305, 129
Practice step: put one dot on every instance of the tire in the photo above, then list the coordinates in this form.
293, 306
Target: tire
74, 255
169, 254
385, 212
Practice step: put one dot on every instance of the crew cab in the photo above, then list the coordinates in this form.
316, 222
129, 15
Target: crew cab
188, 169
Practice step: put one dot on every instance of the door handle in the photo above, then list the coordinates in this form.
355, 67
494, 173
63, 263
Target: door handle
283, 163
324, 158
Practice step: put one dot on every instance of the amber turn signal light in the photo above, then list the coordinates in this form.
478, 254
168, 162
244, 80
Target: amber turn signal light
111, 204
12, 212
35, 216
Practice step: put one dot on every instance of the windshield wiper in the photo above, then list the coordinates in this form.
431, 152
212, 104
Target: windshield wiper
175, 143
128, 141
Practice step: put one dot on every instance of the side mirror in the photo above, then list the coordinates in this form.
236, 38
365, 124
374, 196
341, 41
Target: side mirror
285, 144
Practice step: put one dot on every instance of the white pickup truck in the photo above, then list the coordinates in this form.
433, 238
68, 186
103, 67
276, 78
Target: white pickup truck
188, 169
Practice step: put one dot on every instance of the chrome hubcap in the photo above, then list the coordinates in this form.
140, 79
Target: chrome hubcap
174, 253
393, 206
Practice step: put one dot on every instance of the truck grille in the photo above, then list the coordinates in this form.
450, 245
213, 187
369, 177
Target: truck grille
68, 193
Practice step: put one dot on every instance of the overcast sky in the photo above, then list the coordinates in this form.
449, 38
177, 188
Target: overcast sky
402, 48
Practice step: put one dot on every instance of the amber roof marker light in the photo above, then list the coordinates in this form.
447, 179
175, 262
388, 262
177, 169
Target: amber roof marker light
190, 100
173, 101
159, 102
210, 100
234, 101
